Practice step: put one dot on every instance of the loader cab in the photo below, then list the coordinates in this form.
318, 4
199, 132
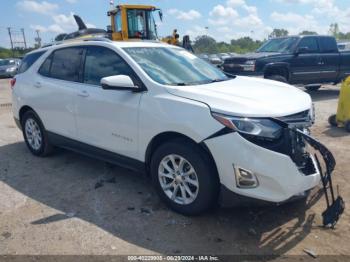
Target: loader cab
133, 22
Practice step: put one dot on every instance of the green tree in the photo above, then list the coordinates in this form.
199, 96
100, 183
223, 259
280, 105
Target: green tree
334, 30
278, 33
205, 44
305, 32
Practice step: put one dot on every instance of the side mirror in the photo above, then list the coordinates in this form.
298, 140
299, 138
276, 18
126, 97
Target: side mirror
302, 50
119, 82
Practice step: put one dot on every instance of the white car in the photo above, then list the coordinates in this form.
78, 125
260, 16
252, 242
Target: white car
158, 108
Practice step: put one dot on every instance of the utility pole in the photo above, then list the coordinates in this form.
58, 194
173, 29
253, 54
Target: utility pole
24, 38
38, 39
9, 30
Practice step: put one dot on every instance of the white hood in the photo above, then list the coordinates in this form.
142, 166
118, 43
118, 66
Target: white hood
247, 96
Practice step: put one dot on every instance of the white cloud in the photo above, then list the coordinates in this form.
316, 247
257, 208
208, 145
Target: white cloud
43, 7
221, 15
50, 29
235, 3
324, 10
66, 21
237, 19
183, 15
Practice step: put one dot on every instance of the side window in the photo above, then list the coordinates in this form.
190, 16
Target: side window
66, 64
46, 66
118, 22
310, 43
101, 62
328, 45
29, 60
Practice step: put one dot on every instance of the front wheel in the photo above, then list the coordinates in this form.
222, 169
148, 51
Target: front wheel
313, 88
332, 120
184, 177
347, 126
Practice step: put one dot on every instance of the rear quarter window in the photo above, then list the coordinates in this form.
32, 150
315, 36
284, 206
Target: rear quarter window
29, 60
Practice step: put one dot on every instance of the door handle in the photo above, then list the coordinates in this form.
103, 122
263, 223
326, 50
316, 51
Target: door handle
37, 85
321, 62
83, 93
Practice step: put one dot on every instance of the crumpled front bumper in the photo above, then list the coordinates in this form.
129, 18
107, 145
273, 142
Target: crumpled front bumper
280, 178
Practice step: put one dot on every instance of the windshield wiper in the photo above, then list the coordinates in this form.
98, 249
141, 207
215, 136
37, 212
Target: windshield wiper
218, 80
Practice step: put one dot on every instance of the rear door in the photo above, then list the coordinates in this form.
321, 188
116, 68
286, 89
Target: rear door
107, 119
329, 59
304, 66
58, 83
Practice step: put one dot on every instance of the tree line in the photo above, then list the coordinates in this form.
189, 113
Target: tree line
207, 44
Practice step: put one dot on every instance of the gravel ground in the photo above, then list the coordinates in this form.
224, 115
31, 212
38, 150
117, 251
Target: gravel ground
57, 206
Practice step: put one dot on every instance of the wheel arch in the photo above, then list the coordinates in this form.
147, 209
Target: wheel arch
167, 136
281, 69
23, 110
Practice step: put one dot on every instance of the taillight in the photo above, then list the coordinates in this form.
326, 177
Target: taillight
13, 82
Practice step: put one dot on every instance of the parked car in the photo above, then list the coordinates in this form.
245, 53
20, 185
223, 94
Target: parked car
304, 60
344, 46
215, 59
205, 57
223, 56
198, 133
9, 67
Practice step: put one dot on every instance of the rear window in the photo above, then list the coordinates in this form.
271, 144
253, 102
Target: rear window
328, 45
66, 64
29, 60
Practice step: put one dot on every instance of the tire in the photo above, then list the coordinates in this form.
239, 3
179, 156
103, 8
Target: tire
204, 196
332, 120
347, 126
35, 135
312, 88
278, 78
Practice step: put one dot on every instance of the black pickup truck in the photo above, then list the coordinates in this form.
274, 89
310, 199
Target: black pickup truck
300, 60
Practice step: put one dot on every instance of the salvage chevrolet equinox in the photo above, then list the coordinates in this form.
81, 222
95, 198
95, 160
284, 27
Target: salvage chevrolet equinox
202, 136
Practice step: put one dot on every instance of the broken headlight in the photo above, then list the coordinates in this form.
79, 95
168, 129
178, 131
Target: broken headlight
261, 127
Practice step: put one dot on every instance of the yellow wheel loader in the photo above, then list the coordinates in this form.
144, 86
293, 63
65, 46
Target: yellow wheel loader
342, 118
128, 23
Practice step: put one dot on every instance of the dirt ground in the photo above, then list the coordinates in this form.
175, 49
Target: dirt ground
56, 206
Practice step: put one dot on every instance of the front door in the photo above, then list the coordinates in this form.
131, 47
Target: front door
107, 119
305, 65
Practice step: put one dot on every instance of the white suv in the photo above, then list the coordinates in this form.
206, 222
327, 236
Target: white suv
197, 132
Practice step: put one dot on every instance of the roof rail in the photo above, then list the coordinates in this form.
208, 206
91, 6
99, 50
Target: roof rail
102, 39
94, 38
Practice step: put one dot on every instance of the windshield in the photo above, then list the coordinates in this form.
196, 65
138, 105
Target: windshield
279, 45
341, 47
7, 62
141, 24
175, 66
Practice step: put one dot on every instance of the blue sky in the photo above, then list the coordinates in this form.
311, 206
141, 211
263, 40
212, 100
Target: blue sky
226, 19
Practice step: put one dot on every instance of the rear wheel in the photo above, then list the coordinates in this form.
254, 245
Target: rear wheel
184, 177
35, 135
278, 78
